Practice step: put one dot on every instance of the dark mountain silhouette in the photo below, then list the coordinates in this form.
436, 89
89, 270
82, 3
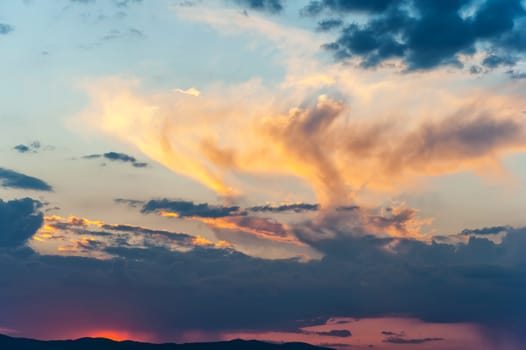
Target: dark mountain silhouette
10, 343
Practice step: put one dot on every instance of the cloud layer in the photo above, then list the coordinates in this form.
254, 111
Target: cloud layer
157, 290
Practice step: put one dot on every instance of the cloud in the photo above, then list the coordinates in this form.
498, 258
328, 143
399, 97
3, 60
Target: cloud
118, 3
182, 208
494, 61
357, 277
271, 6
316, 7
343, 333
77, 236
19, 220
145, 274
191, 91
294, 207
314, 139
329, 23
405, 30
515, 75
13, 179
114, 34
5, 28
33, 147
117, 157
397, 340
21, 148
486, 230
130, 202
400, 334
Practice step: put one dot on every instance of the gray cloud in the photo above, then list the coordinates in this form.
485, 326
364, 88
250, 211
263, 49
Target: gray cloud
343, 333
33, 147
130, 202
188, 208
19, 220
315, 7
155, 289
495, 61
329, 23
117, 157
5, 28
118, 3
295, 207
272, 6
21, 148
397, 340
13, 179
406, 29
486, 230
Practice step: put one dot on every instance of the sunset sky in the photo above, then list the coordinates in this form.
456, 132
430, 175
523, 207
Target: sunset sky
349, 173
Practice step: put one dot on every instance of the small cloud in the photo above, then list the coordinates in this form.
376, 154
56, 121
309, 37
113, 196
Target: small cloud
121, 34
494, 230
21, 148
294, 207
329, 24
13, 179
117, 157
398, 340
5, 28
181, 208
271, 6
33, 147
390, 333
130, 202
191, 91
343, 333
92, 156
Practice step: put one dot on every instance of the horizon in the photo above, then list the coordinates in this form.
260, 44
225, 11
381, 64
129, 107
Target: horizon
340, 172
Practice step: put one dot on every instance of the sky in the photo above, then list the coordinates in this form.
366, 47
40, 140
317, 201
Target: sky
347, 173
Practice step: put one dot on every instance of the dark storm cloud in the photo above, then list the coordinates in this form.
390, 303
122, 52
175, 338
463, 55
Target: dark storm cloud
5, 28
117, 157
19, 220
272, 6
486, 230
426, 34
295, 207
13, 179
154, 289
189, 209
157, 290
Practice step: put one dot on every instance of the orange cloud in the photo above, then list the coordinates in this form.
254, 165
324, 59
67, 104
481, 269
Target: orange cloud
336, 148
81, 236
259, 227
